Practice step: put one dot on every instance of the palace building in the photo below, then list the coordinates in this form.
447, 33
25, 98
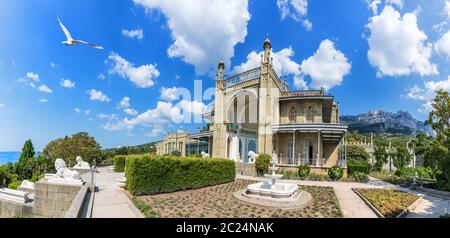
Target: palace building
256, 111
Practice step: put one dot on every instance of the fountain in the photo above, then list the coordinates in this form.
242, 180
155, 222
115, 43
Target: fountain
272, 188
272, 193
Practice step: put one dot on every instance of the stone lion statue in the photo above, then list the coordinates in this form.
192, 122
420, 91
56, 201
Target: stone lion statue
63, 172
81, 163
205, 155
252, 156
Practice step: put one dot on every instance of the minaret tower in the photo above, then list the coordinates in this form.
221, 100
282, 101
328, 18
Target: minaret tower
220, 130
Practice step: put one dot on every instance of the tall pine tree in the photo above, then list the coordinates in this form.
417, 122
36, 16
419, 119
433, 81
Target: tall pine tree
24, 160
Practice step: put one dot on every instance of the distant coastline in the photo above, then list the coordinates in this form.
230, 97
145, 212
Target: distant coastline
9, 156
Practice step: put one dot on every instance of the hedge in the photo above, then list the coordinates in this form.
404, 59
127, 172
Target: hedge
354, 166
149, 174
119, 163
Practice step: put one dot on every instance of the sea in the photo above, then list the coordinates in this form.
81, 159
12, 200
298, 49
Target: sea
6, 157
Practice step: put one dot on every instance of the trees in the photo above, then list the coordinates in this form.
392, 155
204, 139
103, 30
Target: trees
439, 119
357, 153
381, 157
24, 166
402, 158
69, 147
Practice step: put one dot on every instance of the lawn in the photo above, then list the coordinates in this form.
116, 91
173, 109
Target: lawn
389, 202
218, 201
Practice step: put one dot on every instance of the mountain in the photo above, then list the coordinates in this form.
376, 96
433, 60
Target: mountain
382, 121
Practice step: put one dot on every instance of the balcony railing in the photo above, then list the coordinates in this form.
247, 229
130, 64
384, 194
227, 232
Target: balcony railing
312, 162
246, 76
305, 93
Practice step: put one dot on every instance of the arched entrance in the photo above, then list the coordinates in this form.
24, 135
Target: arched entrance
242, 122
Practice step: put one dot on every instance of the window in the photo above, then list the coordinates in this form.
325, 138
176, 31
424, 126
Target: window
310, 115
292, 116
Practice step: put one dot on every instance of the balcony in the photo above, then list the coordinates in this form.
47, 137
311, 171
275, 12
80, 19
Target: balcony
240, 78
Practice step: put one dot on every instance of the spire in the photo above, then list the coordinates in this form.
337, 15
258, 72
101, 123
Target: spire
221, 68
267, 49
267, 42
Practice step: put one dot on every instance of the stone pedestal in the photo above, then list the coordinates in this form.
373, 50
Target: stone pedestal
81, 170
53, 200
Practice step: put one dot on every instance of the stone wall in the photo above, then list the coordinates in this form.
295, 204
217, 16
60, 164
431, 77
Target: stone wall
53, 200
9, 209
245, 169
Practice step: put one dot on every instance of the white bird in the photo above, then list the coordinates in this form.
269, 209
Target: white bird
70, 41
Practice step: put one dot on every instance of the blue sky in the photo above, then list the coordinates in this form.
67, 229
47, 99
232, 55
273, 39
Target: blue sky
315, 43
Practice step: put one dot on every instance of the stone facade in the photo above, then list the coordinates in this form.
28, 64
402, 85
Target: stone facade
256, 111
173, 142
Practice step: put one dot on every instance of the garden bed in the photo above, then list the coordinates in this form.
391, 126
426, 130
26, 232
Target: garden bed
218, 202
388, 203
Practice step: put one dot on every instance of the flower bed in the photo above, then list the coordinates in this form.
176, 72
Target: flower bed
218, 202
389, 202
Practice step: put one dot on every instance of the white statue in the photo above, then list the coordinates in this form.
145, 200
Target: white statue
81, 164
26, 185
274, 159
252, 156
205, 155
64, 174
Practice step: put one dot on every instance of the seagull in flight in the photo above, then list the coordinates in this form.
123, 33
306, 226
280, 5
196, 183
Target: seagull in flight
70, 41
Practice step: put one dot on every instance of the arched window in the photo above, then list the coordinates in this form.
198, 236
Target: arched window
310, 115
292, 116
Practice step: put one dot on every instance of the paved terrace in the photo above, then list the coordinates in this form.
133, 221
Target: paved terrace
110, 201
353, 207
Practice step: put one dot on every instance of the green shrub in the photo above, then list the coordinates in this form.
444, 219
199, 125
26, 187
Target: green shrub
358, 166
360, 177
422, 172
304, 170
119, 163
108, 161
148, 174
335, 173
289, 174
14, 185
196, 155
176, 153
262, 164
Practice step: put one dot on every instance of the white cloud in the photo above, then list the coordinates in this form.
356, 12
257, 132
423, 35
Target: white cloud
138, 33
77, 110
53, 65
203, 31
297, 10
124, 103
43, 100
169, 94
45, 89
155, 132
141, 76
65, 83
428, 92
87, 112
373, 4
282, 62
111, 117
98, 96
101, 77
443, 44
164, 113
130, 111
327, 67
126, 106
447, 9
32, 76
397, 47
